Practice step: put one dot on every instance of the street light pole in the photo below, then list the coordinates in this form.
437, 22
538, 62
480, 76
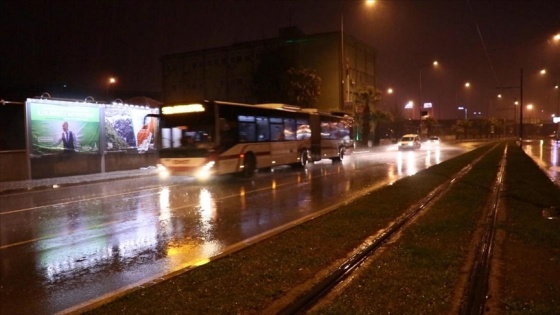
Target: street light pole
420, 104
342, 72
521, 105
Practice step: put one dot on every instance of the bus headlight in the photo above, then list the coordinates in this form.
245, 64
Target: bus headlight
162, 171
206, 170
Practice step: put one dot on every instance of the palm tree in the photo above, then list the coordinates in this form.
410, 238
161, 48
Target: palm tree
378, 116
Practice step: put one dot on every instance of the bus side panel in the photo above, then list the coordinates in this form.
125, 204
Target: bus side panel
287, 152
330, 148
315, 124
230, 160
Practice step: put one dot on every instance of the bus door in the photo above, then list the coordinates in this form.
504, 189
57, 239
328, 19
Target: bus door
315, 124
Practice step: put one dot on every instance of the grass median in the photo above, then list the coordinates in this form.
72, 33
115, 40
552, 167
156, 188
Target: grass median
530, 260
250, 280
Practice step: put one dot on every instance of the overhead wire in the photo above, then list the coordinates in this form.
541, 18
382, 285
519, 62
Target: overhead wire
483, 44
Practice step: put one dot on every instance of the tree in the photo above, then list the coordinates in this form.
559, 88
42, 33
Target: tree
302, 87
462, 126
378, 116
278, 79
494, 127
268, 77
431, 124
370, 95
366, 96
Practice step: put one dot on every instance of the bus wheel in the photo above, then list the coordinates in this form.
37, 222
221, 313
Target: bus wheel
339, 157
249, 166
303, 158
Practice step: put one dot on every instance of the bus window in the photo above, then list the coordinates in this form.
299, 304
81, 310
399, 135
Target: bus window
289, 129
325, 130
247, 128
263, 130
276, 129
303, 129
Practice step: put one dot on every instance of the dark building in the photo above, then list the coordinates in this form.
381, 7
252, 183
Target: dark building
226, 73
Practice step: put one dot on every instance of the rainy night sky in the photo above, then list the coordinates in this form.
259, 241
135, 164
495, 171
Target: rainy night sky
47, 45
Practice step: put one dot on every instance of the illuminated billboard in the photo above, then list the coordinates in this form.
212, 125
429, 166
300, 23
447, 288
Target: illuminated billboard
63, 127
126, 128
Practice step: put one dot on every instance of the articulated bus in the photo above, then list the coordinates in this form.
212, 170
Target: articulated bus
215, 138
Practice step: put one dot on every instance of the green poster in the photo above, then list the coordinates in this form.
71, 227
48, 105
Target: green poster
63, 127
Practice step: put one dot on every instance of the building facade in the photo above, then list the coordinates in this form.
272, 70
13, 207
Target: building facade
226, 73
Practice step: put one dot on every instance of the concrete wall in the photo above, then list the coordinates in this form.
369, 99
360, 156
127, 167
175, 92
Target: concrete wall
59, 165
120, 161
13, 166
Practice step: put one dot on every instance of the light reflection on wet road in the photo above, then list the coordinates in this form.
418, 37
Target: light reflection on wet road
67, 246
546, 153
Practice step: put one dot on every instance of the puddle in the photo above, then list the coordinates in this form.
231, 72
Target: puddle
551, 213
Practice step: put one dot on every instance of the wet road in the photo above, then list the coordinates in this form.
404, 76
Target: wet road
546, 153
67, 246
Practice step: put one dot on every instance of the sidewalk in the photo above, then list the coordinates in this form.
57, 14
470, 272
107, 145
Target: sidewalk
30, 184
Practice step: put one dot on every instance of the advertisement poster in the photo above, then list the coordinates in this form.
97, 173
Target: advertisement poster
125, 128
63, 128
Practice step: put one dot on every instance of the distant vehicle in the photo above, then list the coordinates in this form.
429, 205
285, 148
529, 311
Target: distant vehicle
434, 139
215, 138
409, 142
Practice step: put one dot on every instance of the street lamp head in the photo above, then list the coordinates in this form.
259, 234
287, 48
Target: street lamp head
557, 37
543, 71
370, 2
435, 63
468, 84
390, 90
112, 80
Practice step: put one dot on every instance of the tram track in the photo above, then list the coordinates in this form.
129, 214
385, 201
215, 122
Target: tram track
474, 294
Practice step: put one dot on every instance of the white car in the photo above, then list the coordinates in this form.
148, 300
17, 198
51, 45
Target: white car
409, 142
434, 139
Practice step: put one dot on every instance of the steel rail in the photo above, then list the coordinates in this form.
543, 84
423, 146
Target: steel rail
475, 294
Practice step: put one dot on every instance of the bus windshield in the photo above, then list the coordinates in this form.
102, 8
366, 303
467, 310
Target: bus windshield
188, 129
